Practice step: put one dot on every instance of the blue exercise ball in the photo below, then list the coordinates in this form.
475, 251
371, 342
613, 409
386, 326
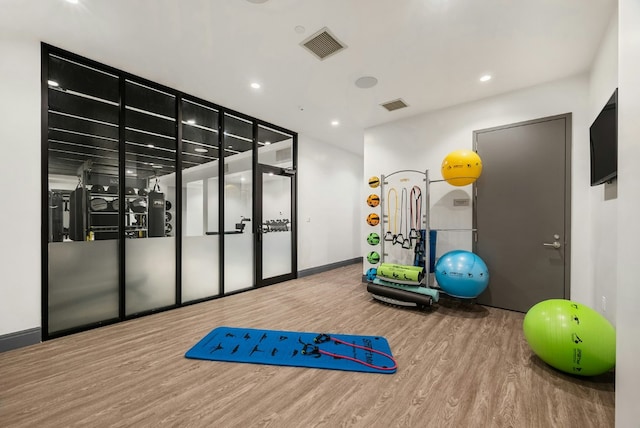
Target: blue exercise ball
462, 274
371, 274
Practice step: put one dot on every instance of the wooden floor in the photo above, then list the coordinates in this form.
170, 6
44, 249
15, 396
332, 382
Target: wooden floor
460, 365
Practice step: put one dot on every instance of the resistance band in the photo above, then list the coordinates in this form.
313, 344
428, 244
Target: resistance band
314, 350
391, 236
416, 211
399, 238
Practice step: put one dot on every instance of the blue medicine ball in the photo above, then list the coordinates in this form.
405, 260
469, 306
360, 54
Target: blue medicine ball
462, 274
371, 274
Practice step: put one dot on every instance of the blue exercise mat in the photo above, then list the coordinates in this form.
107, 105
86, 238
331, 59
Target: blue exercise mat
291, 348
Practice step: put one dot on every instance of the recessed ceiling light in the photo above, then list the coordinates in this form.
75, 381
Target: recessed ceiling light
230, 146
266, 143
255, 85
485, 78
366, 82
53, 83
151, 146
200, 150
129, 171
335, 123
191, 122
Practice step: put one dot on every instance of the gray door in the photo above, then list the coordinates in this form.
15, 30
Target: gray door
522, 211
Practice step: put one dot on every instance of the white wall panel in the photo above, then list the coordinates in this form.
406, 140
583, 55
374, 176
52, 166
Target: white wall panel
329, 182
20, 173
627, 321
603, 199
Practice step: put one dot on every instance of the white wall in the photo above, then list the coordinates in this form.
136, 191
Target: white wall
627, 321
603, 210
329, 180
20, 171
421, 142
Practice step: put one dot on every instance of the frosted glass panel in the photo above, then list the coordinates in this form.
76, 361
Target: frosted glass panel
276, 219
200, 205
276, 254
238, 262
83, 283
150, 274
212, 201
238, 204
200, 273
195, 209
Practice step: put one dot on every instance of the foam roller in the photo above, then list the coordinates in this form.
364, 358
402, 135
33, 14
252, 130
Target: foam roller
407, 267
404, 296
400, 274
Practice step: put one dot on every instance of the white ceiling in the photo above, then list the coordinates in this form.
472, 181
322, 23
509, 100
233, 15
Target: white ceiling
430, 53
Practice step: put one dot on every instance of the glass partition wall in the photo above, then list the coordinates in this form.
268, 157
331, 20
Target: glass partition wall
238, 204
82, 193
136, 216
200, 206
150, 165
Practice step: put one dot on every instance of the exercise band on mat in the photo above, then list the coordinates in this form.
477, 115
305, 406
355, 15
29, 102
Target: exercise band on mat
314, 350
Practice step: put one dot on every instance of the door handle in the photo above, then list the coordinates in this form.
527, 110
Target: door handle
554, 244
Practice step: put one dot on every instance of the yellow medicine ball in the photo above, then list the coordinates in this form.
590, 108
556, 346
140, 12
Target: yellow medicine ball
461, 167
374, 182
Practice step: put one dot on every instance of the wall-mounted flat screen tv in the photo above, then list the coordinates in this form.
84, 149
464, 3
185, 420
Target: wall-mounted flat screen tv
604, 143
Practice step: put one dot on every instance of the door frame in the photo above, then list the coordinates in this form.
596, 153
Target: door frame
262, 169
567, 188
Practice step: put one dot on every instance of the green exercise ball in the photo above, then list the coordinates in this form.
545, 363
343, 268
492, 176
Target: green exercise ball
571, 337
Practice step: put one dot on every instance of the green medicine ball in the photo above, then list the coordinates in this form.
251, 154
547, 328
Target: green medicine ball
373, 257
373, 238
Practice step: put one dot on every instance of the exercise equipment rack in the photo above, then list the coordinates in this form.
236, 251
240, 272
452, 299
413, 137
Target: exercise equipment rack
424, 295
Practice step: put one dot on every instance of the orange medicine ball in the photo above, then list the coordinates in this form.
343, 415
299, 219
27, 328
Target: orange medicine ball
373, 219
373, 200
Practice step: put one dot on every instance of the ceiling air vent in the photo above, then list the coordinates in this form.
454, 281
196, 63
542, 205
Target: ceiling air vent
323, 44
395, 105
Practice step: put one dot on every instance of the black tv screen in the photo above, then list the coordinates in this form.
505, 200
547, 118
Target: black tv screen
604, 143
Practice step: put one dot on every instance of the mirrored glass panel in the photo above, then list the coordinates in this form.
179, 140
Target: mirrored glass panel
239, 261
200, 206
83, 120
149, 195
275, 148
